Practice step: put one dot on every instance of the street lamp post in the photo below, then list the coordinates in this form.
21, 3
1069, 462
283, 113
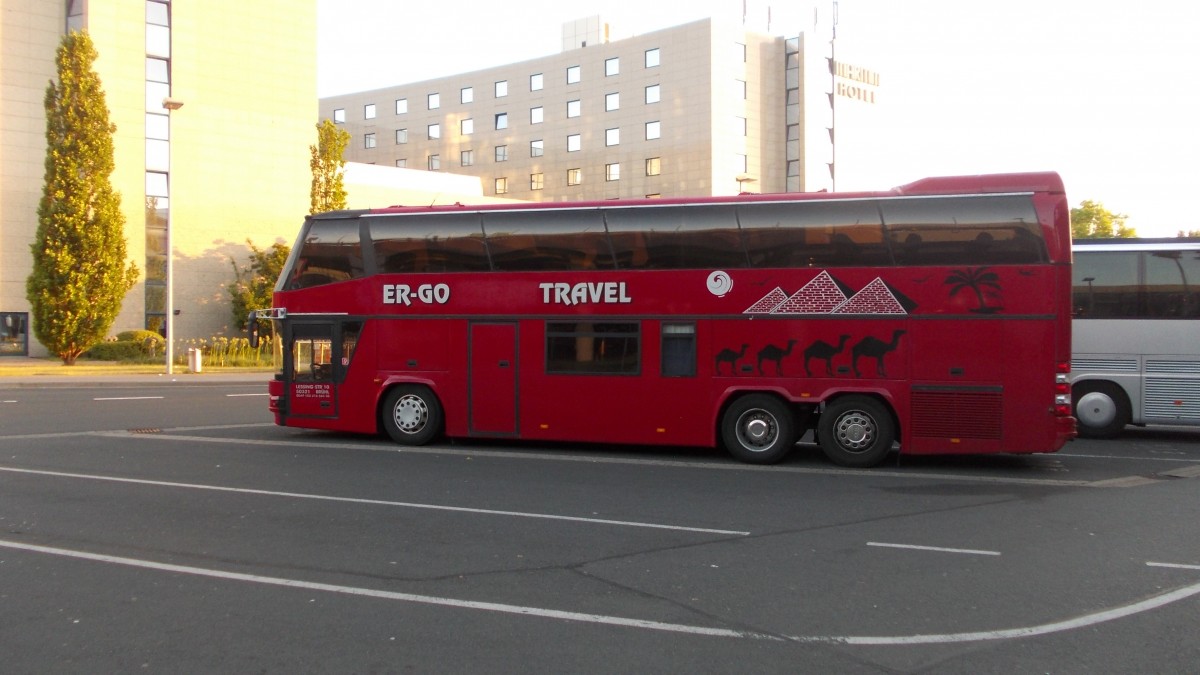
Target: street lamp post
171, 105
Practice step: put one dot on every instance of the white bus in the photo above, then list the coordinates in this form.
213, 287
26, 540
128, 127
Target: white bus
1135, 333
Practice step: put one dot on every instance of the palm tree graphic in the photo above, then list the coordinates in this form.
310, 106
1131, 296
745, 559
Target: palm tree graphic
977, 279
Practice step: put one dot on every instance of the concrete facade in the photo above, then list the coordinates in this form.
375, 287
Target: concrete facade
697, 109
237, 150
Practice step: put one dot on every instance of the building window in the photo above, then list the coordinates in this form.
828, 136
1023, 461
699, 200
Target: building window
612, 66
502, 89
652, 58
536, 115
339, 116
369, 111
653, 166
739, 126
653, 130
401, 136
612, 102
467, 126
434, 131
573, 143
573, 108
501, 120
653, 94
739, 51
535, 82
501, 186
573, 75
435, 162
612, 172
466, 95
402, 164
574, 176
612, 137
740, 164
466, 157
501, 153
740, 87
401, 106
537, 148
369, 141
433, 101
536, 181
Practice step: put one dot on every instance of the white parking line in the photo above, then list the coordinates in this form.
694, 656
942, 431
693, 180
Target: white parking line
375, 502
933, 548
1083, 621
1174, 565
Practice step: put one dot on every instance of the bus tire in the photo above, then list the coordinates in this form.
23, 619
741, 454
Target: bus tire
411, 415
856, 431
1101, 408
758, 429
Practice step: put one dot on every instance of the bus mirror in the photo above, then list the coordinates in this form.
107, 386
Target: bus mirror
252, 328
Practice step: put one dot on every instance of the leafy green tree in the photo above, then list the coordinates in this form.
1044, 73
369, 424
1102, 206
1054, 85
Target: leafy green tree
255, 282
328, 168
1092, 221
1189, 233
79, 276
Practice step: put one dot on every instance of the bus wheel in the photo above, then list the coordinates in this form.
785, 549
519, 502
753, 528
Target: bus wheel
856, 431
1101, 408
412, 415
758, 429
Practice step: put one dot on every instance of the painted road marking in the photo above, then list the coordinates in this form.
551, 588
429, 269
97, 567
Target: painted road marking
933, 548
375, 502
1083, 621
128, 398
237, 395
1174, 565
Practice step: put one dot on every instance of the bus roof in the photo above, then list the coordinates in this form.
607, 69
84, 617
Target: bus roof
946, 185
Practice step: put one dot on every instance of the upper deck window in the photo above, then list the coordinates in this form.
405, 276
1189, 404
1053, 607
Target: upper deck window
428, 243
676, 237
813, 234
567, 240
330, 252
987, 230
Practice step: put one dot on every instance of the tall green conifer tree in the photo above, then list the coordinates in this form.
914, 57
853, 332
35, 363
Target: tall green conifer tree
80, 275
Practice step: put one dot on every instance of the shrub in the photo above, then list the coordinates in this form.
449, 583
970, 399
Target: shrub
147, 340
121, 350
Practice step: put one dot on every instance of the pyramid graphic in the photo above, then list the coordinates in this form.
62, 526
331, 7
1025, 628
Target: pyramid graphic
818, 296
875, 298
769, 302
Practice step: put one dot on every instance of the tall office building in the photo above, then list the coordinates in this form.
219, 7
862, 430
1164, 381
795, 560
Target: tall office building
231, 164
705, 108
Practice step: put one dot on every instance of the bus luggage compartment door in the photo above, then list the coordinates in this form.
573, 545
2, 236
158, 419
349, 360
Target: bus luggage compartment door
493, 383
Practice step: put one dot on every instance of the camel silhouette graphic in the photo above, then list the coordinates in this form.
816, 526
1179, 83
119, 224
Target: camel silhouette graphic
824, 351
875, 348
731, 357
776, 354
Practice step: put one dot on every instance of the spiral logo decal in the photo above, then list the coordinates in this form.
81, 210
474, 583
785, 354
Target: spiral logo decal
719, 283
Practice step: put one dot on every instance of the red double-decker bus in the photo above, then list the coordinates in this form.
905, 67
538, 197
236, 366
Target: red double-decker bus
935, 315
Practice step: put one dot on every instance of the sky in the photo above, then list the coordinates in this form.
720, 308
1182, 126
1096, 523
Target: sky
1105, 93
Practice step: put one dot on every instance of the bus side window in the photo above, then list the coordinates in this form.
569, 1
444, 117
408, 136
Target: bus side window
679, 350
1170, 284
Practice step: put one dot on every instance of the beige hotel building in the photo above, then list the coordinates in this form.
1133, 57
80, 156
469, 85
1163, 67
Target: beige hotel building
705, 108
231, 164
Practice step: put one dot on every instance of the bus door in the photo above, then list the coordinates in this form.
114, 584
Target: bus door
312, 369
493, 379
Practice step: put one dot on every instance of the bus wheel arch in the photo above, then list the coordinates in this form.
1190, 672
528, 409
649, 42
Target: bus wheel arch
411, 414
1101, 408
856, 430
758, 428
